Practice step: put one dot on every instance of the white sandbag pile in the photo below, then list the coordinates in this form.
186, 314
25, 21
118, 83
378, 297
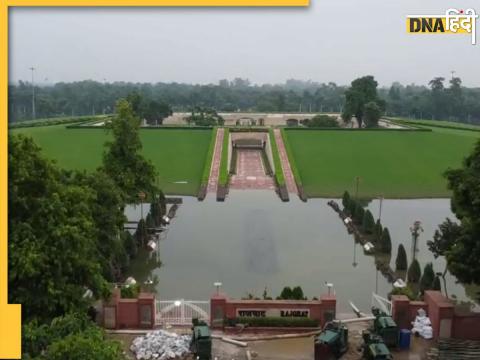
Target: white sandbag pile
161, 345
422, 325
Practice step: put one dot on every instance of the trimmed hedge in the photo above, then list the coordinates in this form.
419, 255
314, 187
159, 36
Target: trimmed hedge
279, 177
223, 176
354, 129
248, 129
162, 127
274, 322
209, 158
56, 121
434, 124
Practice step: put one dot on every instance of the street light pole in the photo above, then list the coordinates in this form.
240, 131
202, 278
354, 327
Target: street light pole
33, 94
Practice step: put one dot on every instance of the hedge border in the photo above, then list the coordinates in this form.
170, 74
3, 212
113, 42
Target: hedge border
279, 176
293, 166
434, 125
274, 322
57, 121
202, 192
74, 126
223, 175
357, 130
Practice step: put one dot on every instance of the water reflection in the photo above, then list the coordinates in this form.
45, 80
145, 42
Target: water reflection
253, 241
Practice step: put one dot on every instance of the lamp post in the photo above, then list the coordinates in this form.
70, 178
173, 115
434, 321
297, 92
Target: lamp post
32, 69
415, 230
218, 285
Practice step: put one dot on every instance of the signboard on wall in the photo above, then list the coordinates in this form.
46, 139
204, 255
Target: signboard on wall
286, 313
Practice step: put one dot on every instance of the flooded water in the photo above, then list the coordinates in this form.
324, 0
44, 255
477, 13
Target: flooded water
253, 241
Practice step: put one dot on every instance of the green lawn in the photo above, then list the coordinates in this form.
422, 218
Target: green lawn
178, 155
394, 164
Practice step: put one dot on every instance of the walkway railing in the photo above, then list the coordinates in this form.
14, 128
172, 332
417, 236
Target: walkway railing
181, 312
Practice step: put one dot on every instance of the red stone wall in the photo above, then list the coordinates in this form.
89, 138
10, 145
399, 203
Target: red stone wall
466, 327
221, 304
438, 308
127, 314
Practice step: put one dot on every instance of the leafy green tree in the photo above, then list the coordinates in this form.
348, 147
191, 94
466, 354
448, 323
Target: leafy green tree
286, 293
372, 114
107, 211
368, 223
72, 336
386, 242
202, 116
459, 242
141, 234
51, 263
414, 272
426, 282
297, 293
401, 261
123, 161
130, 244
362, 91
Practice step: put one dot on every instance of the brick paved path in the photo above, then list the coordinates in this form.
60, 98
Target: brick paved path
287, 170
250, 173
217, 157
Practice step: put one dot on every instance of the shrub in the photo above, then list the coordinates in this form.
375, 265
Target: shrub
323, 121
358, 213
386, 242
368, 223
401, 261
346, 200
130, 291
407, 291
377, 232
414, 272
428, 277
274, 322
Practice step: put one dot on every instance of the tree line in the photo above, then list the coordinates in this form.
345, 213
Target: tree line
440, 99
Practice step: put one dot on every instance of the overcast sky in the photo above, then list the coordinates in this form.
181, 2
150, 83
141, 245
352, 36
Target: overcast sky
331, 40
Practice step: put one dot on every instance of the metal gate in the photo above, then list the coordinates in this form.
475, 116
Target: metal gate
181, 312
383, 304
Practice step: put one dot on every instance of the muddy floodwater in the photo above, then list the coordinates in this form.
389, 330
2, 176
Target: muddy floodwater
253, 240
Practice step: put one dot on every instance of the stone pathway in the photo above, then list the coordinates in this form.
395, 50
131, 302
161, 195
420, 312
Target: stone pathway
287, 170
217, 157
250, 173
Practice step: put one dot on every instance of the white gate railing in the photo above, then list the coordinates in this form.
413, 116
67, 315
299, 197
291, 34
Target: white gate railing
383, 304
181, 312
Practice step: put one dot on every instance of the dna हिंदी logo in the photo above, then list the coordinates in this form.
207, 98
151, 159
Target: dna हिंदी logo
452, 22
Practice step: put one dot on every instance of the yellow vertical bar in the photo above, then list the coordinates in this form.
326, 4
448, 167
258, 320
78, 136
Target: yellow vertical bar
10, 315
